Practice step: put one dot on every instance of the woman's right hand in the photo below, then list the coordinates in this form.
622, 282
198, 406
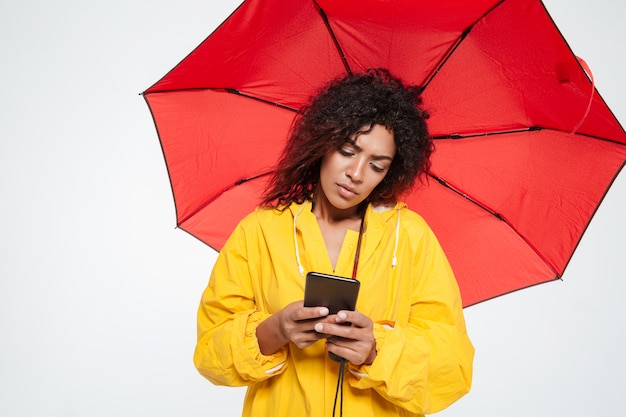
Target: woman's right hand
294, 323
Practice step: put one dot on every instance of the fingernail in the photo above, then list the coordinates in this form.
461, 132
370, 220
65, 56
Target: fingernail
324, 311
342, 315
319, 327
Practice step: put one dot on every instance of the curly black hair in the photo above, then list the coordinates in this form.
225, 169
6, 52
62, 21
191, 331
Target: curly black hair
340, 110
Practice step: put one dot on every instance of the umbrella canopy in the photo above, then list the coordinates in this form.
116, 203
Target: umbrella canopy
525, 146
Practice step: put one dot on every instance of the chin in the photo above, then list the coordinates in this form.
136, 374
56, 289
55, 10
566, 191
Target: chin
341, 204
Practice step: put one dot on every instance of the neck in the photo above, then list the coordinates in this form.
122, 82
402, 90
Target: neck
325, 211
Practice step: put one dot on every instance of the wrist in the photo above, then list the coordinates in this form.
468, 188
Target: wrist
373, 354
270, 335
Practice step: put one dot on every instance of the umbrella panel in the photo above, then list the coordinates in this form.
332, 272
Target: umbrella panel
279, 51
528, 209
215, 140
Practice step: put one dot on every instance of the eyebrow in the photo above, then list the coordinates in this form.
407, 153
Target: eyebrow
375, 157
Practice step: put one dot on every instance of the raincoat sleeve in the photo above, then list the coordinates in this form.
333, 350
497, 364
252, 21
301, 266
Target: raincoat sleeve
426, 364
227, 351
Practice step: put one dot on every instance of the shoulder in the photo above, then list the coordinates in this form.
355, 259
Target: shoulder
411, 224
252, 228
400, 211
413, 219
264, 215
264, 218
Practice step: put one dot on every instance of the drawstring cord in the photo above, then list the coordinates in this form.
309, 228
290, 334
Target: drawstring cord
394, 260
340, 377
295, 241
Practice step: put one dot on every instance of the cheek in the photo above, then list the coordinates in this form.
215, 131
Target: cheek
330, 164
325, 166
327, 172
379, 181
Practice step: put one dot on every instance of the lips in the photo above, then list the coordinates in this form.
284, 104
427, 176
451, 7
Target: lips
346, 190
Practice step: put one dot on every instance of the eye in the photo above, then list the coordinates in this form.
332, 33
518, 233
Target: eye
346, 151
377, 168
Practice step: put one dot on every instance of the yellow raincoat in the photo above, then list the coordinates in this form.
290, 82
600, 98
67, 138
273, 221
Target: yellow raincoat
424, 360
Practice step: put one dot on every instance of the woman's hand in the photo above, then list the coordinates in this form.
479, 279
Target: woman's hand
355, 343
294, 323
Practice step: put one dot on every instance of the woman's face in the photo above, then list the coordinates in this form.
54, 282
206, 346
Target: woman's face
349, 174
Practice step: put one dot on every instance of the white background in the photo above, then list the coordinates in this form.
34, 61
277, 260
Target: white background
98, 290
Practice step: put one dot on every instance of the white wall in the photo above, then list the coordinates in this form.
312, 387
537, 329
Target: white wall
98, 291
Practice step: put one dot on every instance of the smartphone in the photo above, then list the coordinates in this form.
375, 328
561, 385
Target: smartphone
336, 293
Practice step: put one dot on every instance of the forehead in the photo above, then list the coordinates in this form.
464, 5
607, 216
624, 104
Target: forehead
377, 141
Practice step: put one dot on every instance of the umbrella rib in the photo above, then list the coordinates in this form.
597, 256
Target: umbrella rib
497, 216
445, 58
456, 136
228, 90
273, 103
218, 194
467, 197
324, 17
493, 133
454, 47
557, 277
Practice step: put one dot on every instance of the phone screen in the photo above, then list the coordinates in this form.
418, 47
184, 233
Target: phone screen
336, 293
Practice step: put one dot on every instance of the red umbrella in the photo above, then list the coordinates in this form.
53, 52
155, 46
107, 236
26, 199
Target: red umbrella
525, 147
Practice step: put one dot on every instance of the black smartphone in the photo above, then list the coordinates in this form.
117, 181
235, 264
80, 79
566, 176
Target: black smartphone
336, 293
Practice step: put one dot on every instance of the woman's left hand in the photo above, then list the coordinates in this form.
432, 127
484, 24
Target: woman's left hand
355, 342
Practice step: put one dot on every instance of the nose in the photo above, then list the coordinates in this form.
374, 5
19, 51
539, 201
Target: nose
355, 170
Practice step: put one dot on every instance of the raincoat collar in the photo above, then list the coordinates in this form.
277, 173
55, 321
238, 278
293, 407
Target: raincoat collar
376, 219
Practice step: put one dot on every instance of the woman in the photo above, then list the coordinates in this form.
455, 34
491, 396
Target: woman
354, 149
